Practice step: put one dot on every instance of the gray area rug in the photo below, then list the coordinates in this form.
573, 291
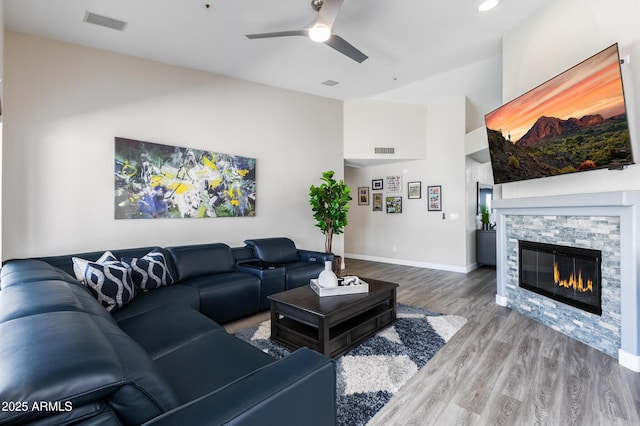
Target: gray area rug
372, 372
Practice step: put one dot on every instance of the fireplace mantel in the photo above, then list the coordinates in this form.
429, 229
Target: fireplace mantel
598, 199
622, 205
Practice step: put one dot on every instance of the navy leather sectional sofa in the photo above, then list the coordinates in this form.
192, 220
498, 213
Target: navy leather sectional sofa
162, 358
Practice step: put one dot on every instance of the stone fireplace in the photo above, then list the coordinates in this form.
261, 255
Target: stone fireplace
578, 272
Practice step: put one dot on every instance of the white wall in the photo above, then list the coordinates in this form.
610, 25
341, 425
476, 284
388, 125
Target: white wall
370, 124
558, 36
480, 82
64, 104
417, 236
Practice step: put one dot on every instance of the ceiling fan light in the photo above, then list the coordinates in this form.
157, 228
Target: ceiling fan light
488, 5
319, 33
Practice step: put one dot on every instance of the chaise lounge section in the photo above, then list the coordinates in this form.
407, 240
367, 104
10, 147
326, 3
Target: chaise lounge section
162, 358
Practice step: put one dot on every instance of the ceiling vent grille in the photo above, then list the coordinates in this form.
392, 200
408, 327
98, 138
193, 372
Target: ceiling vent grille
104, 21
379, 150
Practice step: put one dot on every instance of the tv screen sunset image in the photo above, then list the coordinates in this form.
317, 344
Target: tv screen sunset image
574, 122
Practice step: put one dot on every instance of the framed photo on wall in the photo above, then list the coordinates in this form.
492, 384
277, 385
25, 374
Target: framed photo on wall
377, 201
394, 204
376, 184
414, 190
363, 196
434, 198
394, 183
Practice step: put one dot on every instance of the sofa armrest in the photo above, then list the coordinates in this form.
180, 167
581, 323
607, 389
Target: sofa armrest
271, 280
298, 389
314, 256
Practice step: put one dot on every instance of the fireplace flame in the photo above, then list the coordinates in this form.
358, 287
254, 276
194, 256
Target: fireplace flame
575, 283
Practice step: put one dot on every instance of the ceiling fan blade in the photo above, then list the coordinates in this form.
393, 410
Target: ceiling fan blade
328, 12
344, 47
279, 34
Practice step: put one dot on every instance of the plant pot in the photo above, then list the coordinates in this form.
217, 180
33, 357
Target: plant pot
337, 264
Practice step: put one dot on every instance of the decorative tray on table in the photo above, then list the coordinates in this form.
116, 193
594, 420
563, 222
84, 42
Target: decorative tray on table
346, 285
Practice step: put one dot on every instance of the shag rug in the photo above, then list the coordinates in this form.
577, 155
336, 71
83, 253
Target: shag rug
372, 372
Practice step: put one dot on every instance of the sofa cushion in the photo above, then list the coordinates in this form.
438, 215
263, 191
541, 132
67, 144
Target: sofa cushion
65, 263
202, 259
79, 358
33, 298
274, 250
31, 287
242, 253
150, 271
227, 359
227, 296
298, 274
175, 295
168, 328
20, 271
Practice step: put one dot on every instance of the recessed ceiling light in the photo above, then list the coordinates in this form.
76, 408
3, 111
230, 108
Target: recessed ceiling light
329, 83
488, 5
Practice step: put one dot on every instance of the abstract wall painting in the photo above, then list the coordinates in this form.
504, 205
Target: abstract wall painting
162, 181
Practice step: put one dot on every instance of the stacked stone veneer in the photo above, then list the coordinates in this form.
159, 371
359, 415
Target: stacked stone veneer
591, 232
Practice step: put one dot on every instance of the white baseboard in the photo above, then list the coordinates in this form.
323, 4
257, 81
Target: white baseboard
630, 361
501, 300
406, 262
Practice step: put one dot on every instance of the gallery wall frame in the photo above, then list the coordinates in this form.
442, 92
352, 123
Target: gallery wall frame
394, 204
376, 184
377, 201
394, 183
434, 198
363, 196
414, 190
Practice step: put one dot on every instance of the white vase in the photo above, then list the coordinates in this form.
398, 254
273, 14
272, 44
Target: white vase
328, 278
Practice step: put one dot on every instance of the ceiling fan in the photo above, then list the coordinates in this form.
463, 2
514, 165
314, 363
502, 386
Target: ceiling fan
321, 31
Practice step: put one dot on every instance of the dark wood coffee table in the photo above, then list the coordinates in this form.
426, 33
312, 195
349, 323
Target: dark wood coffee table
331, 325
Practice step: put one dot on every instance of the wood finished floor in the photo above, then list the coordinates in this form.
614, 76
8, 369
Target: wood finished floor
501, 368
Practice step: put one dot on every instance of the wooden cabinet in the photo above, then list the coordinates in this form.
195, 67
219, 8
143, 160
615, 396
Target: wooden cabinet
486, 247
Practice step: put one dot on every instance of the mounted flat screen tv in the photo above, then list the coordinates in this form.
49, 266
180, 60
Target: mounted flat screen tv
574, 122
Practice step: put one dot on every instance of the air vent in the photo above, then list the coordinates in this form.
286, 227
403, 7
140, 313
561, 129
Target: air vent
105, 21
385, 150
329, 83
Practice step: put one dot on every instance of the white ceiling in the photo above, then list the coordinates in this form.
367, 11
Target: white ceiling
407, 41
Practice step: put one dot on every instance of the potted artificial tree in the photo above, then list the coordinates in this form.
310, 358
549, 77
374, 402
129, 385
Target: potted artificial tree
329, 202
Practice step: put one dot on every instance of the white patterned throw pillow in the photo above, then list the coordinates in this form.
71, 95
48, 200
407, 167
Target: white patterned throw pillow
150, 271
111, 284
79, 264
108, 279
